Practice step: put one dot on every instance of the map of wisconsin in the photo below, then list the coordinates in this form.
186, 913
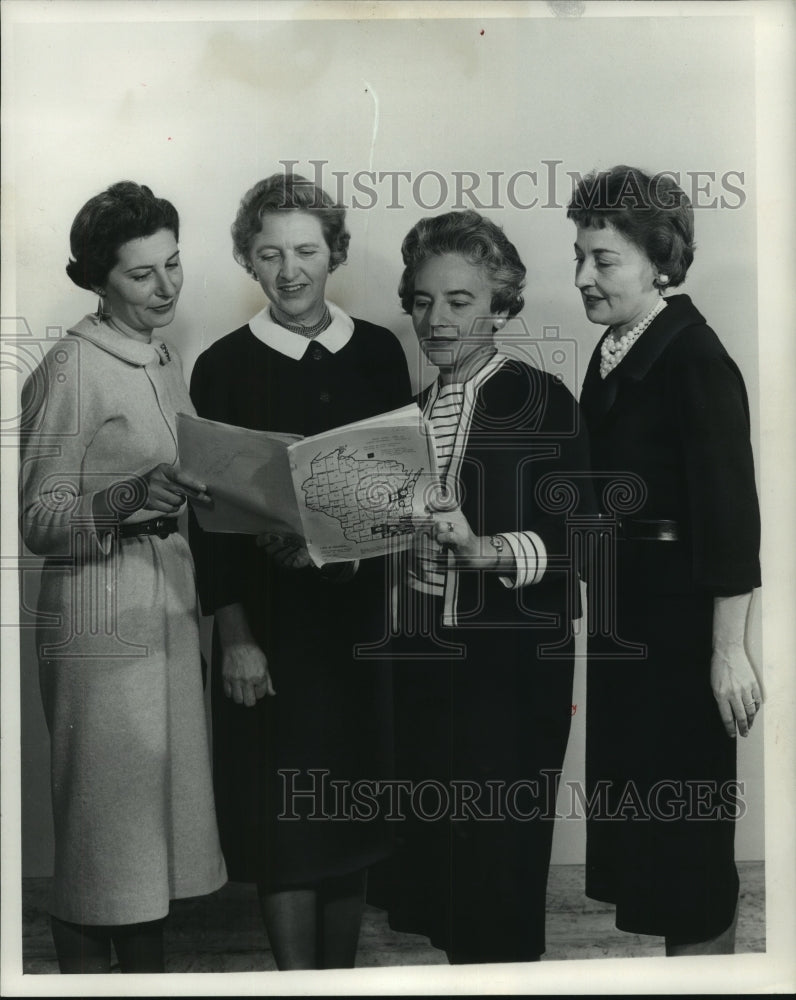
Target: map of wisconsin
369, 497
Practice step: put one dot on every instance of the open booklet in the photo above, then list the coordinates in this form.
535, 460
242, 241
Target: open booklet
352, 492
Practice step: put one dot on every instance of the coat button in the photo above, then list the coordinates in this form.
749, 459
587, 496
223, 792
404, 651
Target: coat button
316, 354
325, 397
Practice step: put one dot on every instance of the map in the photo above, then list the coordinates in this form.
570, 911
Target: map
353, 492
371, 498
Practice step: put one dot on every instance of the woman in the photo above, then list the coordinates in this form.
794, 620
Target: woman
666, 406
121, 674
282, 627
483, 709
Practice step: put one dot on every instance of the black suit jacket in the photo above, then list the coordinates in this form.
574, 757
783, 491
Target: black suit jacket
524, 468
675, 415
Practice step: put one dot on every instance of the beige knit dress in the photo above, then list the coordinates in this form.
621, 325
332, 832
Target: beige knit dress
117, 637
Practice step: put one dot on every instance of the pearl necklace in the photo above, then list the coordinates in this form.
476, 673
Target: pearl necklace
612, 351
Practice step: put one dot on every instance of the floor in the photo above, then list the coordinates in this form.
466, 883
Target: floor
223, 932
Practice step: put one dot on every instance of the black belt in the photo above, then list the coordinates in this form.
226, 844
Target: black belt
639, 529
160, 526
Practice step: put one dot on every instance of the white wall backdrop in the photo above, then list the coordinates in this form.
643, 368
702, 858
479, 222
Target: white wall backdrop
201, 109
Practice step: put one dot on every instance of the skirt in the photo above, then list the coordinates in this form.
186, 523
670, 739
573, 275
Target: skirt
660, 773
288, 770
480, 744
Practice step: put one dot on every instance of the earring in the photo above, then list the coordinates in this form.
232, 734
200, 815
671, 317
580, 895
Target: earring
100, 303
499, 322
662, 279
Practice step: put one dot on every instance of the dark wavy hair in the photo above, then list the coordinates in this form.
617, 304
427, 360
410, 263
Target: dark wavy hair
289, 193
651, 211
480, 241
125, 211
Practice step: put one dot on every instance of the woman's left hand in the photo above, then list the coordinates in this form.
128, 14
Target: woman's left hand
735, 689
732, 677
452, 531
287, 551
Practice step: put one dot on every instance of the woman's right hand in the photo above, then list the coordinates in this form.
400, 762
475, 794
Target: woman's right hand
244, 672
168, 488
162, 489
244, 666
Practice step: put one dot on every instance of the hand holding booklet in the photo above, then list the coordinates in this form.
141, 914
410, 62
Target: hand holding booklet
352, 492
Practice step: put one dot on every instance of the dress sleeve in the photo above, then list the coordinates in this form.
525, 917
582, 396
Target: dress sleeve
58, 424
713, 418
558, 485
395, 380
401, 384
224, 562
553, 482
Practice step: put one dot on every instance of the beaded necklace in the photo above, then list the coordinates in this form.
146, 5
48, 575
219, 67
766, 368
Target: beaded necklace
612, 351
310, 332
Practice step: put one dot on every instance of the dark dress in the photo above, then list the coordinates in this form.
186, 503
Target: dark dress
331, 717
659, 764
481, 737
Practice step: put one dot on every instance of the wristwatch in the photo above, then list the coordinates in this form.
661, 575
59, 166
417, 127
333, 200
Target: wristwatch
497, 543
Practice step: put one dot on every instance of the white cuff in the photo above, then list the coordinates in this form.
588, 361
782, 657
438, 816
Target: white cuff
530, 557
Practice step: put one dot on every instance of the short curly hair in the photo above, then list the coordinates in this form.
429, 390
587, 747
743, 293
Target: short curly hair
125, 211
651, 211
289, 193
479, 241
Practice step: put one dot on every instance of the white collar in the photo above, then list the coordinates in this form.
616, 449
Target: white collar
293, 345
